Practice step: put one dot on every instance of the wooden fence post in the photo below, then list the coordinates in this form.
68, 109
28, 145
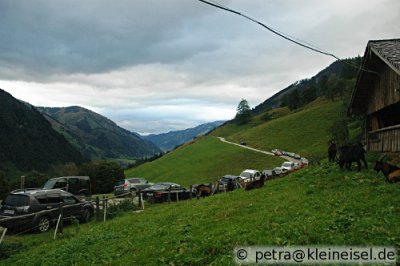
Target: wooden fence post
169, 195
177, 196
104, 208
22, 182
141, 199
97, 208
61, 226
191, 189
60, 221
3, 235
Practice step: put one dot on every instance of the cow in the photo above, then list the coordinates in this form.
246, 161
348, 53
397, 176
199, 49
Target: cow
203, 191
390, 171
332, 152
256, 184
350, 154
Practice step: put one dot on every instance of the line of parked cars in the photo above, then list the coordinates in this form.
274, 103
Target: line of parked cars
40, 207
251, 174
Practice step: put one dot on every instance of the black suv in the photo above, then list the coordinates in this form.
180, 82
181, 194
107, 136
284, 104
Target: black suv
77, 185
38, 210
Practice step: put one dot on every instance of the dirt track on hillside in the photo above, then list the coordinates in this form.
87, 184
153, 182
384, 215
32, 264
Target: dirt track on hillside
257, 150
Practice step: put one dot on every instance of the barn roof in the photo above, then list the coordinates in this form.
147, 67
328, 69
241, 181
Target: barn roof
388, 51
377, 52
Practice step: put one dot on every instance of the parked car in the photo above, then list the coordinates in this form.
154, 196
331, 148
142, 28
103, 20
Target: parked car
303, 161
277, 152
250, 175
289, 166
163, 191
39, 209
223, 182
269, 174
290, 154
279, 171
77, 185
297, 156
130, 185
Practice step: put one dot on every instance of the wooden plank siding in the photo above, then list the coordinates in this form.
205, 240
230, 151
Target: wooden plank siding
385, 139
385, 91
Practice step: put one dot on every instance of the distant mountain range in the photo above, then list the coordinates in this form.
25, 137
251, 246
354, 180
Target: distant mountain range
96, 136
27, 139
168, 141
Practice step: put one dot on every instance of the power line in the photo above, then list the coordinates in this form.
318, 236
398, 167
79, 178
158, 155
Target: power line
284, 35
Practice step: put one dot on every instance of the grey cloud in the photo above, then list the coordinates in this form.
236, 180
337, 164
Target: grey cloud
95, 36
131, 54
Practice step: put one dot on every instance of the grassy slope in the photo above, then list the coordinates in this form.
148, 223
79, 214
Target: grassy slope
304, 132
314, 206
203, 161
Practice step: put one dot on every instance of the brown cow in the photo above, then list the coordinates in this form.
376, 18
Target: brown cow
203, 191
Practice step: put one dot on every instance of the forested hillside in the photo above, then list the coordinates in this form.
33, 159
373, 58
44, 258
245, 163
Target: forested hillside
334, 81
27, 140
96, 136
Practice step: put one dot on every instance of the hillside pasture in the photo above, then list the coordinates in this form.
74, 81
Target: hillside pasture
305, 131
203, 161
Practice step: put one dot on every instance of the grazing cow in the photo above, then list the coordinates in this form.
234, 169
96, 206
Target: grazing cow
350, 154
256, 184
203, 191
391, 172
332, 152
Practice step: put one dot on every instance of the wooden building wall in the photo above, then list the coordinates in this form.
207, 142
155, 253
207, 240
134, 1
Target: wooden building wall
384, 140
386, 90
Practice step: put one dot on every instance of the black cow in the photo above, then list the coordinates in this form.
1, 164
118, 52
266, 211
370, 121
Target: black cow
332, 152
350, 154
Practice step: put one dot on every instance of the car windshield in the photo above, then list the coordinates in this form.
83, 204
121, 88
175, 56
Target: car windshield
246, 174
164, 186
119, 182
227, 178
17, 200
287, 164
136, 180
50, 184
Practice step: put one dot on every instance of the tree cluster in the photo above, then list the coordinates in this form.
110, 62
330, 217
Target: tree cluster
103, 175
334, 84
243, 114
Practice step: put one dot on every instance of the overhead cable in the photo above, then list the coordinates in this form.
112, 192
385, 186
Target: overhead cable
283, 35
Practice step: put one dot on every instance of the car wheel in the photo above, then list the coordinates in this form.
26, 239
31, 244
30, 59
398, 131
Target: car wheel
43, 224
86, 216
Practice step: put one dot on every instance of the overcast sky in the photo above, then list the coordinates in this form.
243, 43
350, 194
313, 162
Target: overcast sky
158, 65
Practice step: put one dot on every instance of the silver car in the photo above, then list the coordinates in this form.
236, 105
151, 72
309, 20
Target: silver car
130, 185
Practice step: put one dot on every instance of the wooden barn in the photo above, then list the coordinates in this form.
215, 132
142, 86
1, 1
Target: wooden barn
377, 95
